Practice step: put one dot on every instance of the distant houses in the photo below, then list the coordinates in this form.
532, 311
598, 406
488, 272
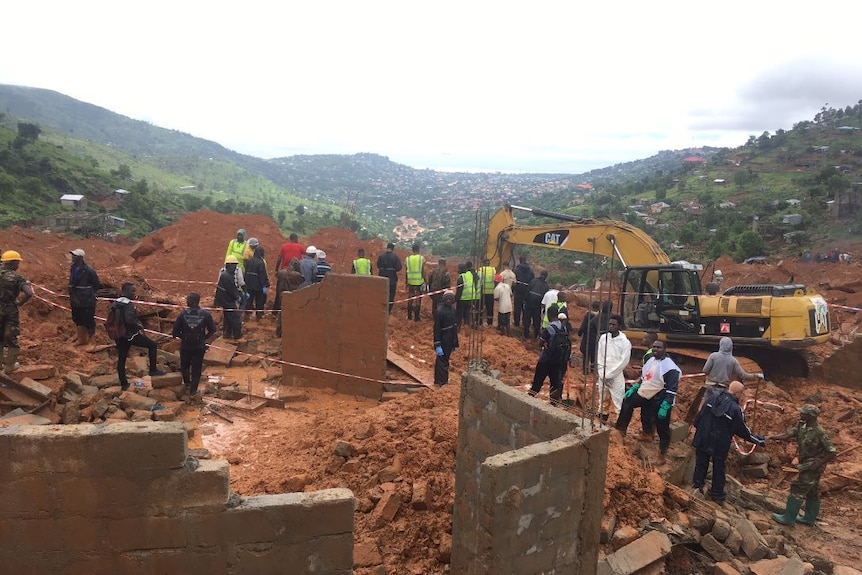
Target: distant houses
75, 201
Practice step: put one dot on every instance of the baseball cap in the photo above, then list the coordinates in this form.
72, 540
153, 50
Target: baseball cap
498, 278
78, 252
321, 254
311, 250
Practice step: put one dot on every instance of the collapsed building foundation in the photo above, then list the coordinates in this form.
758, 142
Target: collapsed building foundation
127, 498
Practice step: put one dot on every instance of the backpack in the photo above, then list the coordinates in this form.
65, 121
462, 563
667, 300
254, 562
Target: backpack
194, 329
115, 325
560, 346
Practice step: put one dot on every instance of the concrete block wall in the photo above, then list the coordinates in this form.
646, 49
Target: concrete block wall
340, 325
123, 499
843, 367
529, 484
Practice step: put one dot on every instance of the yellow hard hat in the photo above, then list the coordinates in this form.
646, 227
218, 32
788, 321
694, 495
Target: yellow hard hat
10, 256
229, 260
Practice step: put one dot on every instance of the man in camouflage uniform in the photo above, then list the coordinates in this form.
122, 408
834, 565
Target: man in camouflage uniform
11, 286
815, 451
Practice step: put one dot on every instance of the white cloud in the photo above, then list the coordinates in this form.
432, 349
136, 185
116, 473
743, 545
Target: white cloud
497, 85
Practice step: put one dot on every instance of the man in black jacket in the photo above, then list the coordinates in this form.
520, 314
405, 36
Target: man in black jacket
533, 304
229, 297
523, 277
83, 283
717, 422
193, 326
388, 266
256, 281
445, 337
134, 334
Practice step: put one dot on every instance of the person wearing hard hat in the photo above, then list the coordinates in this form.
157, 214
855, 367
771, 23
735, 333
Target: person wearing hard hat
815, 451
14, 292
308, 267
229, 296
323, 266
236, 248
83, 283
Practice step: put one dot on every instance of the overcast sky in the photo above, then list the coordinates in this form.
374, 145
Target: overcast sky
551, 86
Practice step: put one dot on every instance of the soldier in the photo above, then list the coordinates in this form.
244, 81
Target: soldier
815, 451
11, 286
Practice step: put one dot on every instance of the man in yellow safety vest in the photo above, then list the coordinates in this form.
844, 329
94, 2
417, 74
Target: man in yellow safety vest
486, 281
361, 265
414, 264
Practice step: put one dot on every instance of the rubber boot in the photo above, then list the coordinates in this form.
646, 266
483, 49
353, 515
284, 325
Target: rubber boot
790, 512
812, 510
12, 360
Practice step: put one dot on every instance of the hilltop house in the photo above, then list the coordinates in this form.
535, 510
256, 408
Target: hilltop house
76, 201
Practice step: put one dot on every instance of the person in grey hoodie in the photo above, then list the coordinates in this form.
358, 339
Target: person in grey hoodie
721, 367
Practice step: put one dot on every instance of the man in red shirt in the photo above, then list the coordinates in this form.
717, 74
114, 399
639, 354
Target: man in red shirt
289, 250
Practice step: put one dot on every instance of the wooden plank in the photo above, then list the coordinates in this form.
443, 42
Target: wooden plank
241, 404
423, 376
269, 401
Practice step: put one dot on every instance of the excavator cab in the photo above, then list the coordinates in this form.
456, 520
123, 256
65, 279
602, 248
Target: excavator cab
661, 298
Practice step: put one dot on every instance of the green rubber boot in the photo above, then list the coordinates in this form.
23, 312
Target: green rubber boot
790, 512
812, 510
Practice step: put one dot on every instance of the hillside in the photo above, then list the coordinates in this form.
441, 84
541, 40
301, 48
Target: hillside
699, 203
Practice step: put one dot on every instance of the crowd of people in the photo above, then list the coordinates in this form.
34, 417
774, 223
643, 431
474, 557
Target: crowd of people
243, 284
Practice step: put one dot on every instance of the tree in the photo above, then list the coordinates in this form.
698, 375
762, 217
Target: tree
300, 210
281, 215
28, 132
749, 244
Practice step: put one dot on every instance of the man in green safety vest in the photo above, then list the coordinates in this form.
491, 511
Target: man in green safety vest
486, 281
361, 265
414, 265
467, 293
236, 248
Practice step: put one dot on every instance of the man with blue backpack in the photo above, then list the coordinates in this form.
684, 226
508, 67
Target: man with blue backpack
193, 326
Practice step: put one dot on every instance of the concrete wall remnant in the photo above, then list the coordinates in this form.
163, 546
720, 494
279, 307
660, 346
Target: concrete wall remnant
125, 499
340, 325
529, 484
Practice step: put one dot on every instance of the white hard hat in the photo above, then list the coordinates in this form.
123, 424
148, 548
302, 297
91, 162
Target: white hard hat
321, 254
78, 252
562, 316
311, 250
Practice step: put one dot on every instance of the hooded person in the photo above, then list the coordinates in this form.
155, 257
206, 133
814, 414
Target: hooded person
721, 367
256, 281
236, 248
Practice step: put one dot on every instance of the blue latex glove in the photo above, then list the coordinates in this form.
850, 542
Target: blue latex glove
664, 410
633, 389
439, 351
264, 290
247, 295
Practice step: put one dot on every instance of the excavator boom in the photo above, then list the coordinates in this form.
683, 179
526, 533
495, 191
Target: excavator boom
611, 239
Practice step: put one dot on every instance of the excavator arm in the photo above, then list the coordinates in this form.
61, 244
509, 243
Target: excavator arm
608, 238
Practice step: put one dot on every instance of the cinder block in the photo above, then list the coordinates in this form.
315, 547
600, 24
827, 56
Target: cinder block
92, 450
64, 534
678, 431
722, 568
206, 486
329, 555
715, 549
325, 512
147, 532
636, 555
753, 544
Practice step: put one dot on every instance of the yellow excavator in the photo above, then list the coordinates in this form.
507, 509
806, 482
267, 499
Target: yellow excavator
769, 323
